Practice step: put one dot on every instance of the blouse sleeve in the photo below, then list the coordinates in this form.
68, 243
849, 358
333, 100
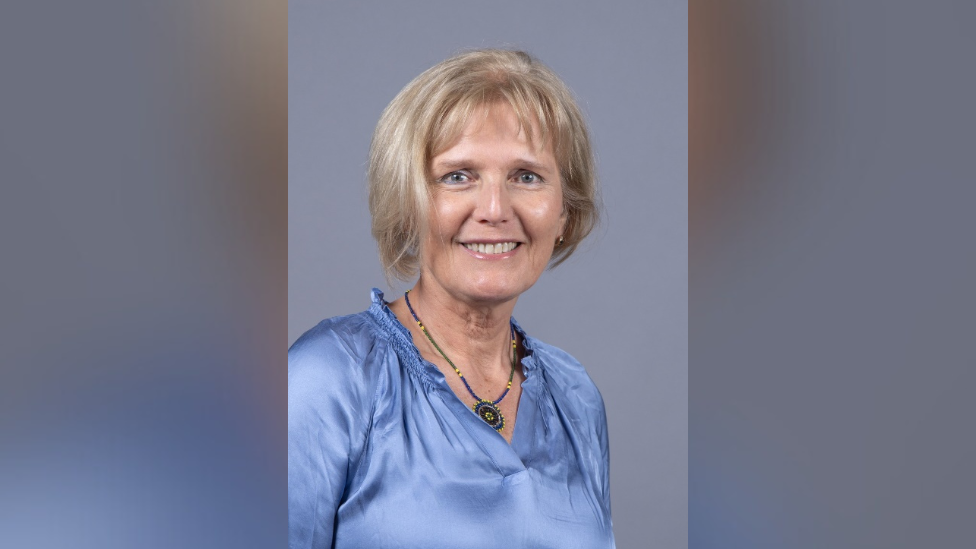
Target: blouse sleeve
328, 415
605, 450
602, 440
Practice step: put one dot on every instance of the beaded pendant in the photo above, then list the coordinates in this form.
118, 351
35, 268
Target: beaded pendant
488, 412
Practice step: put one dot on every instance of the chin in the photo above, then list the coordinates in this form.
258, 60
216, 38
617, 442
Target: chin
493, 290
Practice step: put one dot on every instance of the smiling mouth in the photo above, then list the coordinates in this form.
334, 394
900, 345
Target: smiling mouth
499, 248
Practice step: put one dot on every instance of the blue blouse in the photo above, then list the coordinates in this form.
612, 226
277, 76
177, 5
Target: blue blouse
383, 454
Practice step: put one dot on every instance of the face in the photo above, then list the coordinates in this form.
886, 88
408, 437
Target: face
497, 211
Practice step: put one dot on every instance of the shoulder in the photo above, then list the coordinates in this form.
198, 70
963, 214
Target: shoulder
339, 355
578, 400
351, 334
565, 372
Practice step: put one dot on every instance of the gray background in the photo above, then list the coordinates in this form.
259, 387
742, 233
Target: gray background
620, 304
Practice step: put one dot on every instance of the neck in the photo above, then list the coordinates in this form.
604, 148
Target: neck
476, 336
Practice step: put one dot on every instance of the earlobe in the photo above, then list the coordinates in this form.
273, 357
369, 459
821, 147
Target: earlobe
562, 225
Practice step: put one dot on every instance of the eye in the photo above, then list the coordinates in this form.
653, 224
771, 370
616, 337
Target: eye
455, 177
529, 177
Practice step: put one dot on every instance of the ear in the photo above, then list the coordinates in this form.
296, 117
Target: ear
563, 220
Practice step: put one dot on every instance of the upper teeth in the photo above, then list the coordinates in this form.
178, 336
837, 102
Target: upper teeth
491, 248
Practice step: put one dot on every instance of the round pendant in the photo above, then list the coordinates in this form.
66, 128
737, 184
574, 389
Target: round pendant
487, 411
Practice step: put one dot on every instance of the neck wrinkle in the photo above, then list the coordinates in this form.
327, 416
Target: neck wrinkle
477, 339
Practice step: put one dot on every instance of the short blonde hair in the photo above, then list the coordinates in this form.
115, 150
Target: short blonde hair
428, 116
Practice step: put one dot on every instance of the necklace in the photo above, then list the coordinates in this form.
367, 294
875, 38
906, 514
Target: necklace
486, 409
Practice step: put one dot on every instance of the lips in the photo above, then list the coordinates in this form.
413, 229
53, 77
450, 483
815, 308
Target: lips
491, 248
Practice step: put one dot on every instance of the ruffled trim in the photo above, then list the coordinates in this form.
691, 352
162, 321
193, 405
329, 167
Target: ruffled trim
529, 345
403, 344
399, 336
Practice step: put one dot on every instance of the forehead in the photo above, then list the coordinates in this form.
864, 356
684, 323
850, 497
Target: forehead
497, 136
496, 120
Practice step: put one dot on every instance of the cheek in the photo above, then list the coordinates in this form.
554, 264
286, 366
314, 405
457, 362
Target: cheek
551, 218
444, 219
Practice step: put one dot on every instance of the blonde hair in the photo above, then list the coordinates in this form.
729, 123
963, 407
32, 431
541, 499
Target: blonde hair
428, 116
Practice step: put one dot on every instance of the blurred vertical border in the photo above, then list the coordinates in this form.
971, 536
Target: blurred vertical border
832, 262
143, 160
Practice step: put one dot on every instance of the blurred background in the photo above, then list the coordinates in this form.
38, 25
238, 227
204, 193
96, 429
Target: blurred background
143, 151
831, 256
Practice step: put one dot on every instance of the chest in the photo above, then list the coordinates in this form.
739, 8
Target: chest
435, 475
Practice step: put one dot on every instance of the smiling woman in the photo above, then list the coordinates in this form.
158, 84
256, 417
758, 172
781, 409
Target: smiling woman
497, 211
438, 404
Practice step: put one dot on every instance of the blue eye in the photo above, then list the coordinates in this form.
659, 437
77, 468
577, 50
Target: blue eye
455, 177
529, 177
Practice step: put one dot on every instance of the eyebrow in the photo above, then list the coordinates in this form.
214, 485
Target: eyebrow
459, 163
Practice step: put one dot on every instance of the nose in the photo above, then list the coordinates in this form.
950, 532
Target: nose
494, 203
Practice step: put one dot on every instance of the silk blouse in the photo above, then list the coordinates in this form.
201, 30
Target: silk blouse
382, 454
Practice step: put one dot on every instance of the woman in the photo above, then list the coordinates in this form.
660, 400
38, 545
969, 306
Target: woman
434, 420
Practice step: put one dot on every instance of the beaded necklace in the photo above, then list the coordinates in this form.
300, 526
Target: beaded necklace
487, 410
